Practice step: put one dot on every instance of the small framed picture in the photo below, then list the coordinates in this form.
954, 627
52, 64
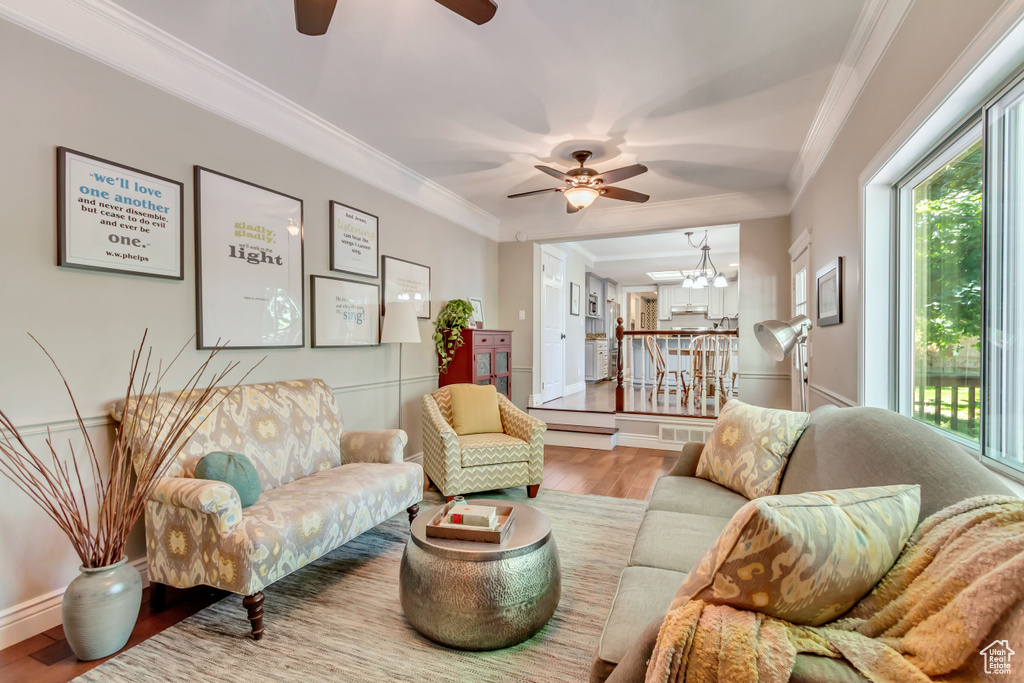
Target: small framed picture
345, 312
830, 293
478, 311
118, 219
574, 298
406, 281
354, 240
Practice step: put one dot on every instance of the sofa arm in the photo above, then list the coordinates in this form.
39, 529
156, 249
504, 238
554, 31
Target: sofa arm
519, 424
442, 451
203, 496
380, 446
686, 466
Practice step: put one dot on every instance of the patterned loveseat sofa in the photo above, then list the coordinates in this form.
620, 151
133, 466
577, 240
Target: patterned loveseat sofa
321, 487
481, 462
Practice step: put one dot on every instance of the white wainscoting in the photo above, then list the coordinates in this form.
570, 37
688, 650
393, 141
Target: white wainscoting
372, 405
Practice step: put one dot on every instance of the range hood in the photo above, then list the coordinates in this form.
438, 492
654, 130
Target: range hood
689, 308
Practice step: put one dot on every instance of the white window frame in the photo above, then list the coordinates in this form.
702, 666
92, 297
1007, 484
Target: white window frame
902, 351
987, 64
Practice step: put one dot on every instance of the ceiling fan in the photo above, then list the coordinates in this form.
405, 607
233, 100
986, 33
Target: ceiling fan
583, 185
312, 17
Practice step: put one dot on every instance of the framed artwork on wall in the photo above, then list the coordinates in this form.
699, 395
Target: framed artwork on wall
118, 219
574, 298
406, 281
343, 312
249, 264
830, 293
478, 312
354, 240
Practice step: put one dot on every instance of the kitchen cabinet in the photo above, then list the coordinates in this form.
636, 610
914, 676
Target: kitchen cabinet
723, 302
595, 301
595, 360
666, 297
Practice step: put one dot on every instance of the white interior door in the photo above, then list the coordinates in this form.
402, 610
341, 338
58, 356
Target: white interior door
553, 303
798, 273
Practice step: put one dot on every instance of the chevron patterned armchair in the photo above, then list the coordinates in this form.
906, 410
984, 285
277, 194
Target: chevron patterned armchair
481, 462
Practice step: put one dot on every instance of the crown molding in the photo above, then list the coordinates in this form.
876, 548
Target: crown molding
113, 36
575, 246
696, 212
877, 25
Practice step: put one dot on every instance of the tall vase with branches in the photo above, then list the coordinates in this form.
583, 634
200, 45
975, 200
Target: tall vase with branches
95, 506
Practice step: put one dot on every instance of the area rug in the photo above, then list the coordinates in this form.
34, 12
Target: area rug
340, 618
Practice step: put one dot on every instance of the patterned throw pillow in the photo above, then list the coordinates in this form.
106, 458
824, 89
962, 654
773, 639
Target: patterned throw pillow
806, 558
748, 449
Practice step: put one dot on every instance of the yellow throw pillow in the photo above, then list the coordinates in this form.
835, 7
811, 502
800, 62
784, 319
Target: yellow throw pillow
475, 409
749, 447
805, 558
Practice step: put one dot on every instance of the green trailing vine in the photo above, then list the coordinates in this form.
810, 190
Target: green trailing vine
452, 319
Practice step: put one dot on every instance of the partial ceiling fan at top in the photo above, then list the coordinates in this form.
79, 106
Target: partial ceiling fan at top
583, 185
312, 17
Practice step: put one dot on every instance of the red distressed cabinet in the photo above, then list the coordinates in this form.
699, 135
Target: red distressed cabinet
485, 357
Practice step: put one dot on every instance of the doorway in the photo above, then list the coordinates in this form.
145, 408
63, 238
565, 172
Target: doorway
552, 354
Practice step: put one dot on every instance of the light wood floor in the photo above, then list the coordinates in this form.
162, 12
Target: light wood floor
621, 473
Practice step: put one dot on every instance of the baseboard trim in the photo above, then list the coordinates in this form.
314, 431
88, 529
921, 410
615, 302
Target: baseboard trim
832, 397
648, 441
416, 458
574, 388
44, 612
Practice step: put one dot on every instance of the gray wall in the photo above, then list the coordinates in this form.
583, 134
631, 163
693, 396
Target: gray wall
90, 321
930, 39
764, 291
516, 293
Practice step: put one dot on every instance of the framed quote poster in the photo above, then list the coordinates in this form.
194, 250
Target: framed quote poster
344, 312
407, 281
354, 240
249, 264
118, 219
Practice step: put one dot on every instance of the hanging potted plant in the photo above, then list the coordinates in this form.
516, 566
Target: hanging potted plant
97, 505
448, 327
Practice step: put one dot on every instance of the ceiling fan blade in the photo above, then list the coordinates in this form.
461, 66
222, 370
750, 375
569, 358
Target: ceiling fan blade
624, 194
618, 174
569, 208
553, 172
312, 17
477, 11
527, 194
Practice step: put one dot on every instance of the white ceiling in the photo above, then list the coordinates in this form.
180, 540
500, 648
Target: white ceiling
627, 260
715, 97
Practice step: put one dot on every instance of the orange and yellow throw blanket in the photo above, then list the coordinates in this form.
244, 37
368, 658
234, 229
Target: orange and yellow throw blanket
957, 586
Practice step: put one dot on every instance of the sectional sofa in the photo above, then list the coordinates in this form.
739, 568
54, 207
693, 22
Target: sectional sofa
841, 448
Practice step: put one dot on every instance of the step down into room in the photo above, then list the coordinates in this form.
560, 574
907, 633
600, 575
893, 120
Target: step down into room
582, 436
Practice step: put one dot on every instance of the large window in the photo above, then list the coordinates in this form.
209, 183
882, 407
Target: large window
960, 256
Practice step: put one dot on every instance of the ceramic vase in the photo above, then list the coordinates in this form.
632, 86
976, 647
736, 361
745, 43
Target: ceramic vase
100, 608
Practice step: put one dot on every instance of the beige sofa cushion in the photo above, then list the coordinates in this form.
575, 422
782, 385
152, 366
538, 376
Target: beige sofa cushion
475, 409
695, 496
643, 594
805, 558
748, 448
674, 540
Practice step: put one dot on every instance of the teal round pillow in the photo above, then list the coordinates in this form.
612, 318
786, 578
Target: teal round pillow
234, 469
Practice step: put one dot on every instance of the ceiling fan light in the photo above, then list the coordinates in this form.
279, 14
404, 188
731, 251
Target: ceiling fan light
720, 281
581, 197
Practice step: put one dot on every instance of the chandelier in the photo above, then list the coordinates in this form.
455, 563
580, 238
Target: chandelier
705, 272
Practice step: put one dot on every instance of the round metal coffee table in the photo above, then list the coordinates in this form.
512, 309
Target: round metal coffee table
482, 596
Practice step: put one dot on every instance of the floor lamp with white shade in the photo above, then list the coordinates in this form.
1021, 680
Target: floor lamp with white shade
779, 338
400, 327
